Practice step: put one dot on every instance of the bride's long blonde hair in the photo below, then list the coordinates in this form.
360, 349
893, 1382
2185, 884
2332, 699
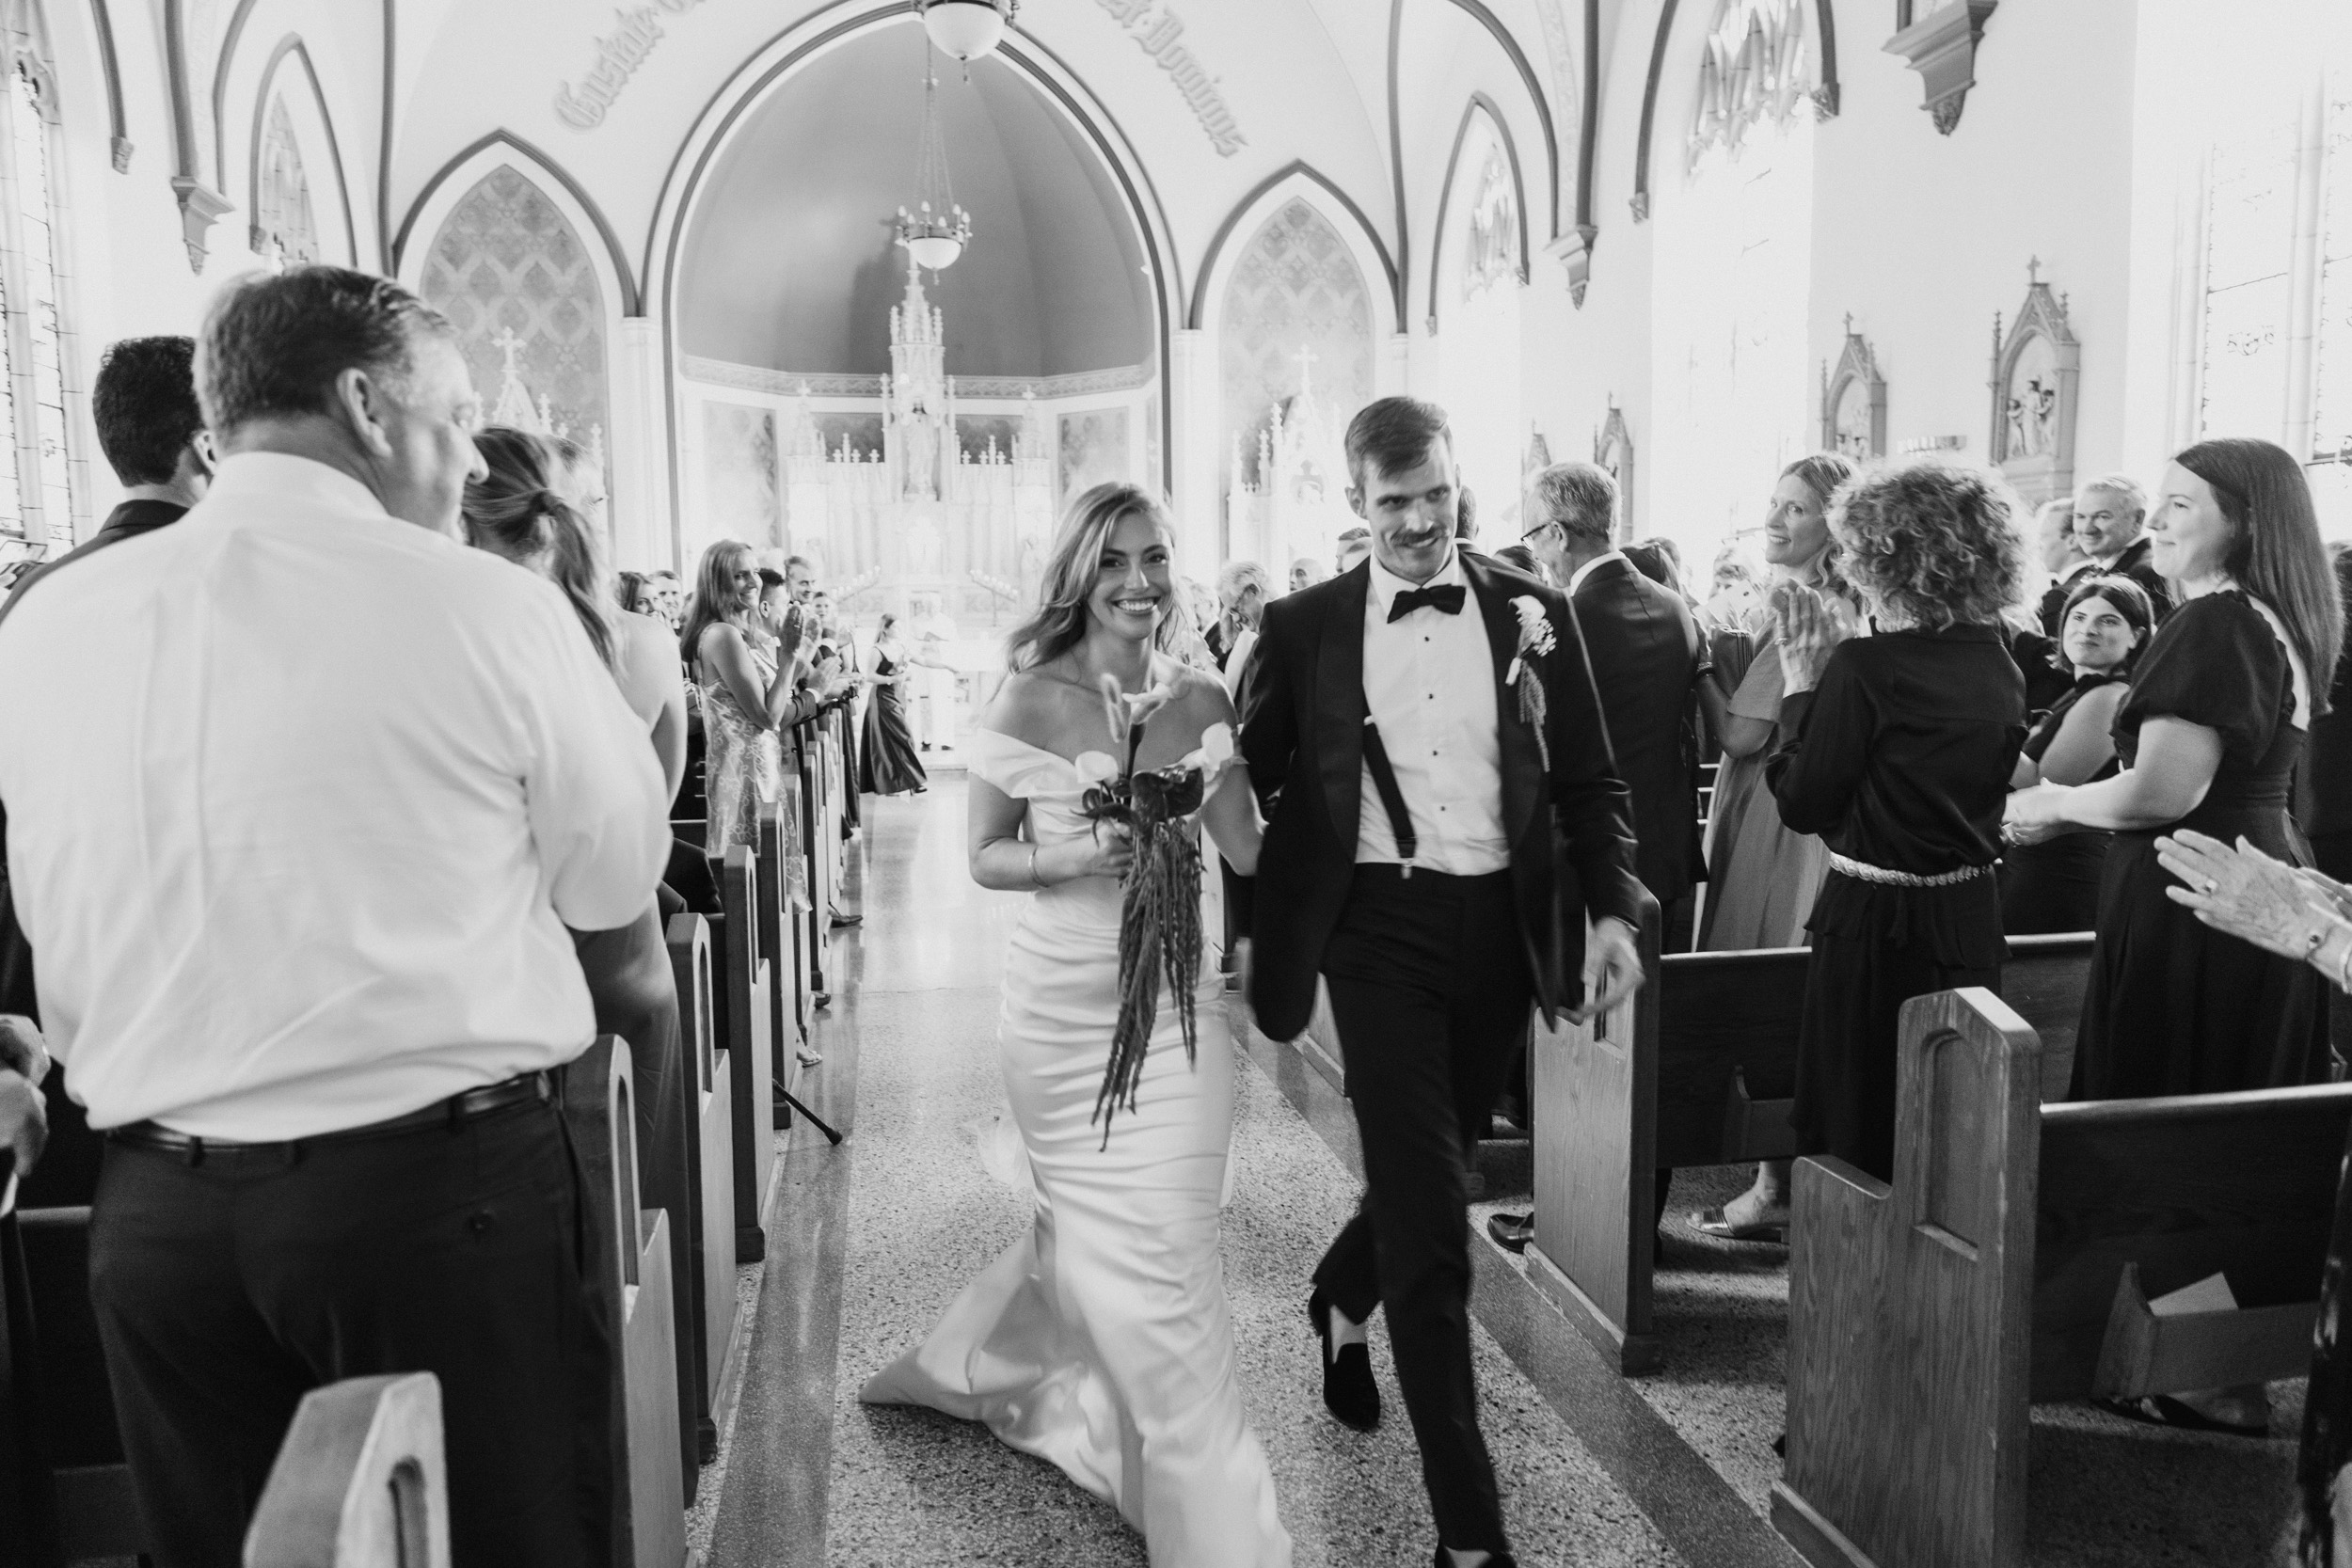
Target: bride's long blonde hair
1058, 623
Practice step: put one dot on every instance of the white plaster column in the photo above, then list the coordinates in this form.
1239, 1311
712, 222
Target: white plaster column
1192, 444
1392, 366
643, 535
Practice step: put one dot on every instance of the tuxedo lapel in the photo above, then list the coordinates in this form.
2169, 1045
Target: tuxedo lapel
1521, 764
1340, 705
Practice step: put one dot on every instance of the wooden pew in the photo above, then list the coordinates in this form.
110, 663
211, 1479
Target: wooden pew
746, 988
360, 1480
65, 1489
1698, 1069
816, 921
714, 1330
2011, 1262
633, 1272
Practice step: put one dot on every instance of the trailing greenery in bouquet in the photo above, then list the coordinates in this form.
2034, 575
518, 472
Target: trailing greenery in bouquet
1159, 925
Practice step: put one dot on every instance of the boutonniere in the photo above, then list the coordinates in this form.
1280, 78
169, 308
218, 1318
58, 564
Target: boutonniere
1536, 641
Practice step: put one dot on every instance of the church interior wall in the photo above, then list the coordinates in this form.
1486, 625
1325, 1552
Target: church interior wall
1924, 237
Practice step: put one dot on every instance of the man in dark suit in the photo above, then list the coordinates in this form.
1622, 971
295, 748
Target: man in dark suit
2109, 514
1648, 658
2057, 553
1433, 856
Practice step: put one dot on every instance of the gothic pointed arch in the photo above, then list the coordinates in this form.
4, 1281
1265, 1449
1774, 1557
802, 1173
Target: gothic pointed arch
1494, 200
502, 244
296, 193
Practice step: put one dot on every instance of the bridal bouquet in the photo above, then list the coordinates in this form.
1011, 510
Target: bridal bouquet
1159, 926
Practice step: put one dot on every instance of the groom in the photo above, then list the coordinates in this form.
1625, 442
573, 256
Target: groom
1422, 857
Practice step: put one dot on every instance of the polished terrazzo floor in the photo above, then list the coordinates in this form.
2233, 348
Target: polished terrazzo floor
869, 1242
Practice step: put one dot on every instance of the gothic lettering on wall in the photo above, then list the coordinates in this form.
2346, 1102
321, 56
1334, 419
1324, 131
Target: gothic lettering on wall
1156, 30
506, 261
739, 457
582, 106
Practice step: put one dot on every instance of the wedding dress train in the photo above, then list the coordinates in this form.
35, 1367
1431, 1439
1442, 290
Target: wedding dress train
1100, 1341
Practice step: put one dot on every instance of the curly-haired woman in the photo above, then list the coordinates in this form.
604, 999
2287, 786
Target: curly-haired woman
1897, 748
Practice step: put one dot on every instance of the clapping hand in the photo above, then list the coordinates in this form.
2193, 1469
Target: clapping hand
23, 1117
2248, 893
1809, 631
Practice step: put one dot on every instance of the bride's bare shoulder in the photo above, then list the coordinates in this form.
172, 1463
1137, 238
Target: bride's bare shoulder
1034, 706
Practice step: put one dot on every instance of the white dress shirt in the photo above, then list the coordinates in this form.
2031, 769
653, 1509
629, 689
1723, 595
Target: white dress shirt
1237, 659
300, 799
1429, 683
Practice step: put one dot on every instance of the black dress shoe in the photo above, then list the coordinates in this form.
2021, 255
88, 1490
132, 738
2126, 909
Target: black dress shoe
841, 921
1497, 1559
1512, 1232
1348, 1391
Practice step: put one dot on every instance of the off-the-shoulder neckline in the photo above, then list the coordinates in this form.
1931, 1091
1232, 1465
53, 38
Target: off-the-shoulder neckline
1015, 740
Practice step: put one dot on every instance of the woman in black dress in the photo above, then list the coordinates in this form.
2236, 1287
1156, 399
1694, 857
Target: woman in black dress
887, 763
2209, 736
2103, 628
1896, 749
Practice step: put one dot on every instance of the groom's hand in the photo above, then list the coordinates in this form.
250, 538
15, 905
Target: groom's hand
1612, 968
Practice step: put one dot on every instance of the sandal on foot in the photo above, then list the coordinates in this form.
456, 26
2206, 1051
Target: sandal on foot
2163, 1410
1711, 1222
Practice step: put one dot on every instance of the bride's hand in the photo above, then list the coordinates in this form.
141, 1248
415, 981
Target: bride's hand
1109, 851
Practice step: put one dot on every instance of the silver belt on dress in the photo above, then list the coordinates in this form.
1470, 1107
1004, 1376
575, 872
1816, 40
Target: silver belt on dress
1863, 873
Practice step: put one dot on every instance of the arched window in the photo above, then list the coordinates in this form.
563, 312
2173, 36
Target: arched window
36, 470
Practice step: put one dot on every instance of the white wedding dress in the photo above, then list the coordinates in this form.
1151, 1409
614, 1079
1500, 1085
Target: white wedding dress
1100, 1340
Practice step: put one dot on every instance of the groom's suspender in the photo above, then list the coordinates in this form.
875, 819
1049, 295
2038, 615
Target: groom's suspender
1384, 780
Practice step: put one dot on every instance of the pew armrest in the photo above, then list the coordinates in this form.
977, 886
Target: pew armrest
2147, 1353
1756, 1129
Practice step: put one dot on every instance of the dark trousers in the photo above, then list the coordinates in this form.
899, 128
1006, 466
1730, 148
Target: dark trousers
226, 1289
1430, 990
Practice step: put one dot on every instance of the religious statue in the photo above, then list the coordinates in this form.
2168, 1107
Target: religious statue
920, 441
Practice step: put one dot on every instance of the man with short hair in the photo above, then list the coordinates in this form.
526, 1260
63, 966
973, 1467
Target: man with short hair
1306, 572
1434, 857
2057, 552
152, 434
1241, 592
2109, 514
304, 794
1466, 521
801, 578
1353, 545
1647, 659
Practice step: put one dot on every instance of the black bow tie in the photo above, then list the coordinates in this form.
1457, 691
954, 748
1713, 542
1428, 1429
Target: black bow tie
1446, 599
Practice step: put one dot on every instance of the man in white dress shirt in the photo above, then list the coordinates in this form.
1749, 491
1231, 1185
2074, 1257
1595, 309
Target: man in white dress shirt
302, 794
1433, 858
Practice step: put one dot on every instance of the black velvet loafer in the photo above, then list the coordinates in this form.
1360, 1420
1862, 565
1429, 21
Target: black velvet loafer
1348, 1390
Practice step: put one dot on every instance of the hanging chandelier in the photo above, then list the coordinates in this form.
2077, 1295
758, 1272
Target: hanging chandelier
937, 231
966, 28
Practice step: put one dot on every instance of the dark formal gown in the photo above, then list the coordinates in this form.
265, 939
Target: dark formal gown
2174, 1006
887, 761
1900, 761
2054, 886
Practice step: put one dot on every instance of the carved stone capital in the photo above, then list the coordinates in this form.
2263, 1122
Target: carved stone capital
123, 154
1942, 47
1825, 101
1575, 252
1640, 203
200, 206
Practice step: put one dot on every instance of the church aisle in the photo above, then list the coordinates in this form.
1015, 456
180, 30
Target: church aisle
908, 1213
868, 1242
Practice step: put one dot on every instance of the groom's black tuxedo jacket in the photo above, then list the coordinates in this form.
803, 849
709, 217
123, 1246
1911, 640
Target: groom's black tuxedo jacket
1302, 712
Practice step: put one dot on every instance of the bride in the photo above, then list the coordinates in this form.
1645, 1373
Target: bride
1100, 1340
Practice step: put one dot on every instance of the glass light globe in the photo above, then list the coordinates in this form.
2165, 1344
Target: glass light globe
935, 252
964, 28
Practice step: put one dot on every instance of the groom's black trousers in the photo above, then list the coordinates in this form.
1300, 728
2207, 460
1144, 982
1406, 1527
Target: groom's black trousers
1430, 990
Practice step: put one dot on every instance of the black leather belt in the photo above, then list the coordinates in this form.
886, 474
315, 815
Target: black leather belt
459, 1109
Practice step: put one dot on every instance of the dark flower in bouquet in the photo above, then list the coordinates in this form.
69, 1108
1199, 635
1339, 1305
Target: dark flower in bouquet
1159, 924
